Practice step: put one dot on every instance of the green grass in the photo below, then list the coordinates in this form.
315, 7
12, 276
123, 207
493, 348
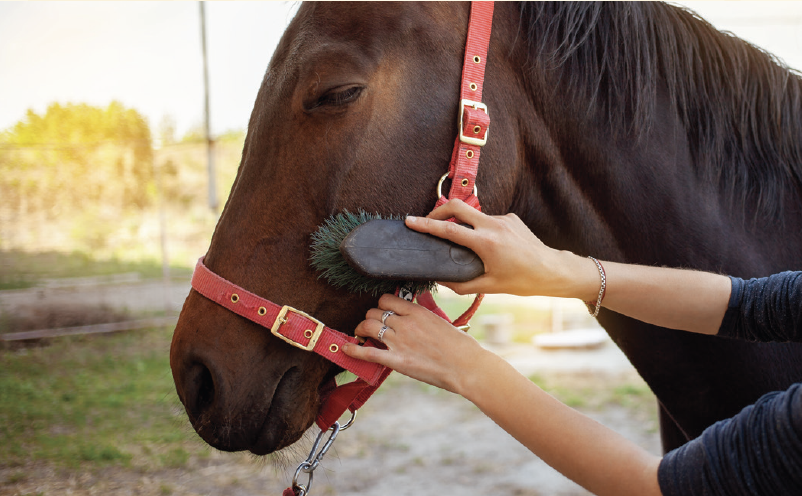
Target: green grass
594, 393
94, 401
19, 269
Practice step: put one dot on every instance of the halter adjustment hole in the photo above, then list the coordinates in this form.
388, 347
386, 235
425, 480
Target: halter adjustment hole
476, 129
469, 154
262, 311
234, 298
464, 182
334, 348
308, 334
473, 86
477, 59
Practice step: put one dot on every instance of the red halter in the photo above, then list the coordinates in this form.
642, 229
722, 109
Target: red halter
306, 332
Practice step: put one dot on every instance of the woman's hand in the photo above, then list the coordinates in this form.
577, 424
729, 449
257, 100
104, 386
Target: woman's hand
425, 347
420, 345
516, 261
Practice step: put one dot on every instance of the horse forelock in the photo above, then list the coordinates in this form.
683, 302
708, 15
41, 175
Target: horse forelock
741, 106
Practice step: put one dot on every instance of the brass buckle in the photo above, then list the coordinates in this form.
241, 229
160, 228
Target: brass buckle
467, 139
282, 318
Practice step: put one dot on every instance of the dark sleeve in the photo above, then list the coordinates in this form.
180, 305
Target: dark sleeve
765, 309
757, 452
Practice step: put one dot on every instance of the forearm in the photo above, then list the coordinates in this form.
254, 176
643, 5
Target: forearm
673, 298
583, 450
516, 262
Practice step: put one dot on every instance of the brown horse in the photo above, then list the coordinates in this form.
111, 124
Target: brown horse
632, 132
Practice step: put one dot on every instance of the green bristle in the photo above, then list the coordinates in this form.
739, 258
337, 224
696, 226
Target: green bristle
326, 257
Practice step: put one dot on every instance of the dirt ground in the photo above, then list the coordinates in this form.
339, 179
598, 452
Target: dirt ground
410, 439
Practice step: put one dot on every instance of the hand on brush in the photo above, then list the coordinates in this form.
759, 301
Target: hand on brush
516, 261
425, 347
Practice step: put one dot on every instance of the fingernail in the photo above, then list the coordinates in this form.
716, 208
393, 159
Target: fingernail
412, 218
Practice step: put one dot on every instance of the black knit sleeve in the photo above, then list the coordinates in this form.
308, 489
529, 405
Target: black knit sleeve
757, 452
765, 309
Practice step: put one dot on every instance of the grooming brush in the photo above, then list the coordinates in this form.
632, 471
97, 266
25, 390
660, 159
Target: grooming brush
364, 253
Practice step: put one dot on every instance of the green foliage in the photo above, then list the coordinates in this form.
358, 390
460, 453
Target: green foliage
77, 155
327, 259
93, 401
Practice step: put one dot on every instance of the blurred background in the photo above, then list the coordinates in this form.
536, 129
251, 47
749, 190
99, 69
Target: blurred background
121, 130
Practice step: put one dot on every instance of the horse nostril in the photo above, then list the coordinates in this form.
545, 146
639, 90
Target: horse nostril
201, 390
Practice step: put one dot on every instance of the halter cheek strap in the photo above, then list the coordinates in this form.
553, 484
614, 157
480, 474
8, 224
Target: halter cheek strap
473, 117
474, 123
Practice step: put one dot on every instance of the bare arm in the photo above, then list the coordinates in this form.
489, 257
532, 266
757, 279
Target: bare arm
423, 346
517, 262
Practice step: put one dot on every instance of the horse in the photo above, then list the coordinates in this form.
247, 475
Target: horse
633, 132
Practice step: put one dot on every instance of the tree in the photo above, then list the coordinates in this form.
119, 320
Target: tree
76, 155
78, 168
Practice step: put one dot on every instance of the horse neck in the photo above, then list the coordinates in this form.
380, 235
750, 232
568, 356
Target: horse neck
642, 199
657, 194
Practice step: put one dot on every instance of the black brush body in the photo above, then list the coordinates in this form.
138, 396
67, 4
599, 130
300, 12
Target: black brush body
363, 253
388, 249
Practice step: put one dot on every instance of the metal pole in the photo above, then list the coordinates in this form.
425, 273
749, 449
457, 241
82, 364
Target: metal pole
209, 140
168, 307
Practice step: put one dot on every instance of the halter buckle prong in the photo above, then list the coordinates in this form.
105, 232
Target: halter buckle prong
470, 139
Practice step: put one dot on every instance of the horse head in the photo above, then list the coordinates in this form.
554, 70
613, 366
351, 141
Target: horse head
357, 110
631, 131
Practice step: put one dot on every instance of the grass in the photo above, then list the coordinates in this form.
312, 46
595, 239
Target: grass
94, 401
20, 270
587, 392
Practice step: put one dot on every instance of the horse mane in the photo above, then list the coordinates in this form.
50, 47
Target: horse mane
741, 106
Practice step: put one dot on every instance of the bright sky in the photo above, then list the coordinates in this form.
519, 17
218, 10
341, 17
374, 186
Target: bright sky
147, 54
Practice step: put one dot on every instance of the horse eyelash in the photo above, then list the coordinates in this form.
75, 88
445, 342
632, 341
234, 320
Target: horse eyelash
340, 97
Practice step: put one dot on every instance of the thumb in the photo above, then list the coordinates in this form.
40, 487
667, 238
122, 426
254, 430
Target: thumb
463, 288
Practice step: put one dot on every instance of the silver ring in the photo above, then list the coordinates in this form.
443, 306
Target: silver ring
386, 314
381, 333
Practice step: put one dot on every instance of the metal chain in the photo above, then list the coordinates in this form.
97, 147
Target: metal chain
312, 461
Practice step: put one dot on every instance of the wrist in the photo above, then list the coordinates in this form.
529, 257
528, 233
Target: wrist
578, 278
471, 382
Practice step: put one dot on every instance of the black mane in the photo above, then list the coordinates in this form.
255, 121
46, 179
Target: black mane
741, 106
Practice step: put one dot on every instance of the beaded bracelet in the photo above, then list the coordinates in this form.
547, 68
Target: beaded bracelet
594, 309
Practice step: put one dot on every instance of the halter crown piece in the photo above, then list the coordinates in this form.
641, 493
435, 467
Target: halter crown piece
304, 331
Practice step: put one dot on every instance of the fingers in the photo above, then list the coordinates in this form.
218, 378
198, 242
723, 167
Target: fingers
460, 210
372, 328
369, 354
379, 315
478, 285
398, 305
372, 325
443, 229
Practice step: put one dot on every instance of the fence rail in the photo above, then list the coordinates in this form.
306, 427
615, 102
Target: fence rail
128, 325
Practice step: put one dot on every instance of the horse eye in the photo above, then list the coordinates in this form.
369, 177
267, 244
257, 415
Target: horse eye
338, 97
